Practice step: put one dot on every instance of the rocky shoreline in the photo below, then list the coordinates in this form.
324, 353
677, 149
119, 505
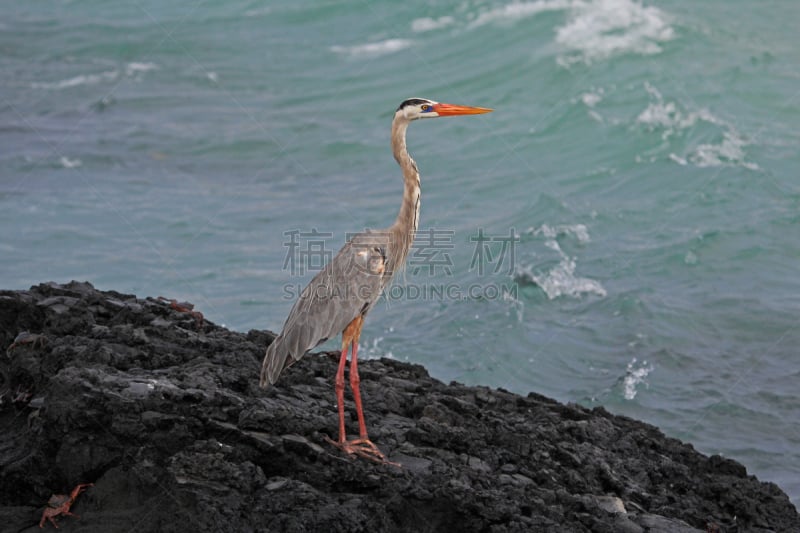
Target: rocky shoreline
161, 410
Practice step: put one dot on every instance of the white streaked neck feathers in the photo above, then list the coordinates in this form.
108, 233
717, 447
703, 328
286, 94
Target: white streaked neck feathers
405, 226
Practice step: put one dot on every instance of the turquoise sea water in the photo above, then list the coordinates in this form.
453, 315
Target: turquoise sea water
645, 155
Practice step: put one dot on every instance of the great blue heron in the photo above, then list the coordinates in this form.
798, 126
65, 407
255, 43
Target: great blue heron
342, 293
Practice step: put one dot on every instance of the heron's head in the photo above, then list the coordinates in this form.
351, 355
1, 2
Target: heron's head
415, 108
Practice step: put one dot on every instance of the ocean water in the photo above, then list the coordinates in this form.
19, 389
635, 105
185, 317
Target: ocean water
623, 230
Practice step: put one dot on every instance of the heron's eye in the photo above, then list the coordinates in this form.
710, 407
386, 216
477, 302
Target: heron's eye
426, 107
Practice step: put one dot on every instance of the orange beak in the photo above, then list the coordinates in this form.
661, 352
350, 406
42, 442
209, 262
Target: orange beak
450, 110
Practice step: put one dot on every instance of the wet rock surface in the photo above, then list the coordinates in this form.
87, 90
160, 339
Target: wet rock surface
161, 410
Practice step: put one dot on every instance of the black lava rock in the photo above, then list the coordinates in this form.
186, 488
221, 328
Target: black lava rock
161, 410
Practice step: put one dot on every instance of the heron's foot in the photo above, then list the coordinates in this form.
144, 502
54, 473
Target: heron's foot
363, 448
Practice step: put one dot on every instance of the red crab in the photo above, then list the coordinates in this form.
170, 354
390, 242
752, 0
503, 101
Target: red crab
185, 307
60, 504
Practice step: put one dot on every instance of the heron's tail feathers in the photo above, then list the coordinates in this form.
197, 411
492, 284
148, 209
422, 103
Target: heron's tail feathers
276, 359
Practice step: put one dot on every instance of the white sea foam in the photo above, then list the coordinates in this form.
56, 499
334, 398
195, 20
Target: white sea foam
552, 232
671, 120
728, 153
666, 115
592, 98
70, 163
678, 159
519, 10
375, 351
133, 69
430, 24
595, 29
376, 49
561, 279
83, 79
601, 29
634, 376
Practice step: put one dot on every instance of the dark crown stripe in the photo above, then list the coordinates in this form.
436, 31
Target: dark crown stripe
412, 101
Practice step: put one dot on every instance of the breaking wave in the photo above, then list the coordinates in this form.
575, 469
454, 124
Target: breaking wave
605, 28
670, 120
635, 375
560, 280
594, 30
380, 48
130, 70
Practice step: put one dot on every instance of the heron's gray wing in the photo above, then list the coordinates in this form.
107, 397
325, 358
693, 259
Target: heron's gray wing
341, 291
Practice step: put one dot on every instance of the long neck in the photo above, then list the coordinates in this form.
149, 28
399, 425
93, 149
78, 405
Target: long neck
405, 226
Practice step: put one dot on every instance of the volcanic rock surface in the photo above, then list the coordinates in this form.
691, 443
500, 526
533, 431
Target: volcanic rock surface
161, 410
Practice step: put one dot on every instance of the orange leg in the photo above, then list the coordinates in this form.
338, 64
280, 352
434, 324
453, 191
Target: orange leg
339, 386
354, 385
361, 446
